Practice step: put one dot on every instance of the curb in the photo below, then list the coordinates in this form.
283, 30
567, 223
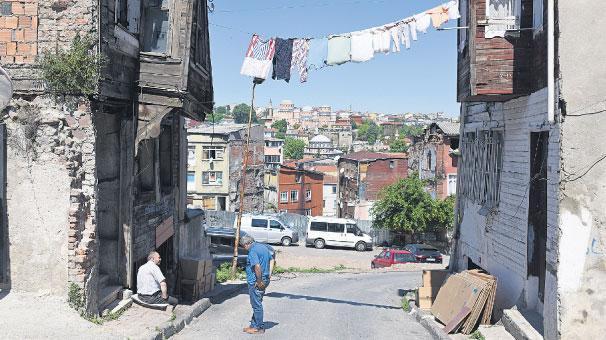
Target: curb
428, 322
170, 328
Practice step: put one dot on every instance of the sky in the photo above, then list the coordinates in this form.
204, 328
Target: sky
421, 79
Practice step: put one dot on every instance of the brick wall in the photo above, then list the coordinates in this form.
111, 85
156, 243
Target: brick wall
18, 31
380, 174
310, 181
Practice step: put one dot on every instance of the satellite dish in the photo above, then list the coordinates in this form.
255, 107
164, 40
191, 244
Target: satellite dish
6, 88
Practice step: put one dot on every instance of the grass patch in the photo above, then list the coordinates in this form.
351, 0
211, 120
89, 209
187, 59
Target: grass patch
406, 304
99, 320
224, 273
281, 270
477, 335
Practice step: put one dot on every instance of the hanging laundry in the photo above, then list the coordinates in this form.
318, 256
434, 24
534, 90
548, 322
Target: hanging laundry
439, 15
453, 10
339, 50
318, 51
282, 59
300, 51
361, 46
381, 40
412, 24
423, 21
395, 36
258, 57
405, 31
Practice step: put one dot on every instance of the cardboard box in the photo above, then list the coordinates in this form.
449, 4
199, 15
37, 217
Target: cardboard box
434, 278
192, 269
426, 296
424, 303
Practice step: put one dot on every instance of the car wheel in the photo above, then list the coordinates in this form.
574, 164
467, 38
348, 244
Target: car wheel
360, 246
286, 241
319, 243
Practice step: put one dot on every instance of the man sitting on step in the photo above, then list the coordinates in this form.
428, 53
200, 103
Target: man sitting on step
151, 283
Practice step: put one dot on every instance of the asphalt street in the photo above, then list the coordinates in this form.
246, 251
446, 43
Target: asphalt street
319, 306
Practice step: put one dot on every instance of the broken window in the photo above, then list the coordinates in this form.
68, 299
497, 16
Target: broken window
200, 45
502, 16
155, 26
212, 152
146, 166
481, 164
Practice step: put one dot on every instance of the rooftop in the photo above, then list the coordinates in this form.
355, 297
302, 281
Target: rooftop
449, 128
320, 139
371, 156
219, 129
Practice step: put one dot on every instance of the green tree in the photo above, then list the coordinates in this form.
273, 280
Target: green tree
411, 130
241, 114
369, 131
398, 145
293, 148
218, 114
281, 126
405, 206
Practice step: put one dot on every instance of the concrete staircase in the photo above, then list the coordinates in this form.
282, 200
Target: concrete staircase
107, 292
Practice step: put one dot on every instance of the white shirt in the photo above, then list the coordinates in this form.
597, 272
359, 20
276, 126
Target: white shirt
149, 277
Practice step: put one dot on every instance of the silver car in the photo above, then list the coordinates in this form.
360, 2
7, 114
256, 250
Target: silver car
268, 229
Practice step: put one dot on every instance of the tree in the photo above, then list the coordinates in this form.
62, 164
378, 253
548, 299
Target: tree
398, 145
293, 148
281, 126
241, 114
369, 131
218, 114
405, 206
411, 130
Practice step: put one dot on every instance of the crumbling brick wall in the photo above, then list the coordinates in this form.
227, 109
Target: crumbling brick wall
18, 32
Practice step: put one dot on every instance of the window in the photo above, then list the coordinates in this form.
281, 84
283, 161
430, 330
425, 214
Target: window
212, 152
452, 185
403, 258
166, 159
259, 223
319, 226
392, 164
480, 170
307, 212
209, 203
502, 16
537, 16
335, 227
429, 161
212, 177
323, 203
352, 229
273, 224
191, 155
155, 26
200, 50
334, 189
387, 255
146, 166
464, 7
284, 197
308, 195
294, 195
298, 178
191, 180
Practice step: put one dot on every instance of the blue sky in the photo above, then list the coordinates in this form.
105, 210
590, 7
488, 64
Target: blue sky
422, 79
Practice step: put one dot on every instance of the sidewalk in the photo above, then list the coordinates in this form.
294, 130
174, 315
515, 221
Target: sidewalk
30, 316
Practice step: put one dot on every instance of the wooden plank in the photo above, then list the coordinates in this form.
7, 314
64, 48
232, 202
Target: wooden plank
453, 325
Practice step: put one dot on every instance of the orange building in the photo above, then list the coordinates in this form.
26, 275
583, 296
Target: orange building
300, 190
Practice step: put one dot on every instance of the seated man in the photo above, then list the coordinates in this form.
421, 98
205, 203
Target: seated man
151, 283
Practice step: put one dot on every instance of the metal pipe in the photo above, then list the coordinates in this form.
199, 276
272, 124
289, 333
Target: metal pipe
550, 61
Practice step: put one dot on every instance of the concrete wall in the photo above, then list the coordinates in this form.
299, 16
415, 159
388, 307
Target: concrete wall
498, 241
582, 232
330, 201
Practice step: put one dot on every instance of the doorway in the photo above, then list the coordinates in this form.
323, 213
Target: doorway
537, 209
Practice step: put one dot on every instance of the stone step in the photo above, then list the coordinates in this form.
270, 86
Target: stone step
107, 295
518, 326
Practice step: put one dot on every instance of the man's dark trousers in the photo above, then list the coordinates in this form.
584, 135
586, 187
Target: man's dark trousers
256, 301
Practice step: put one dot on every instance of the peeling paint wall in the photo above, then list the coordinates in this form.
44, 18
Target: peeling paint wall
582, 228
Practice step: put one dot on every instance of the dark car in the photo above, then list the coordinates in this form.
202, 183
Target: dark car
222, 245
424, 253
389, 257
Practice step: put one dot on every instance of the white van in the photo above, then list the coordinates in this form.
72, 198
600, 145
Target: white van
268, 229
330, 231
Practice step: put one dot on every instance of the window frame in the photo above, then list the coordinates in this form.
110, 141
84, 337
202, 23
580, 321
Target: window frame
201, 30
294, 198
284, 199
217, 174
538, 6
280, 226
253, 220
145, 31
509, 26
308, 194
313, 226
207, 149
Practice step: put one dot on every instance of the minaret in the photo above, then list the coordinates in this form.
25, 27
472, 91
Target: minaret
270, 110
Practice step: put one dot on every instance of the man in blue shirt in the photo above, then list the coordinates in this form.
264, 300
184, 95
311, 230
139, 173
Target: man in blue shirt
257, 276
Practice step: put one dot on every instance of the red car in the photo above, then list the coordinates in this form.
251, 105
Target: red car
392, 256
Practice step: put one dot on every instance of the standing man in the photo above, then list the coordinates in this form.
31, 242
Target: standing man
151, 283
257, 276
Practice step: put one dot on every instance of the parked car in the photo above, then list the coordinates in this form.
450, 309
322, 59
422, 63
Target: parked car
389, 257
424, 253
268, 229
340, 232
222, 245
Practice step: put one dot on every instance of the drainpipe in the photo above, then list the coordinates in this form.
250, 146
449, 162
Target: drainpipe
551, 61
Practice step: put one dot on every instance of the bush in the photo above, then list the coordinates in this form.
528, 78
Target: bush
75, 71
224, 272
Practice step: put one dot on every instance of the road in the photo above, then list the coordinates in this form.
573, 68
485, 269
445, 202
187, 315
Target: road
319, 306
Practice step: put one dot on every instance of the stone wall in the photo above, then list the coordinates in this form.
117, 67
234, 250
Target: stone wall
51, 190
255, 170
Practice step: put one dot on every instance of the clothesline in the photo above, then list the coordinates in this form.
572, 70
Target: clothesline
305, 54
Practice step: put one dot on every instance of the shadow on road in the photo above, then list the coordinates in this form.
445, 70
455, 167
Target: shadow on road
269, 325
316, 298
